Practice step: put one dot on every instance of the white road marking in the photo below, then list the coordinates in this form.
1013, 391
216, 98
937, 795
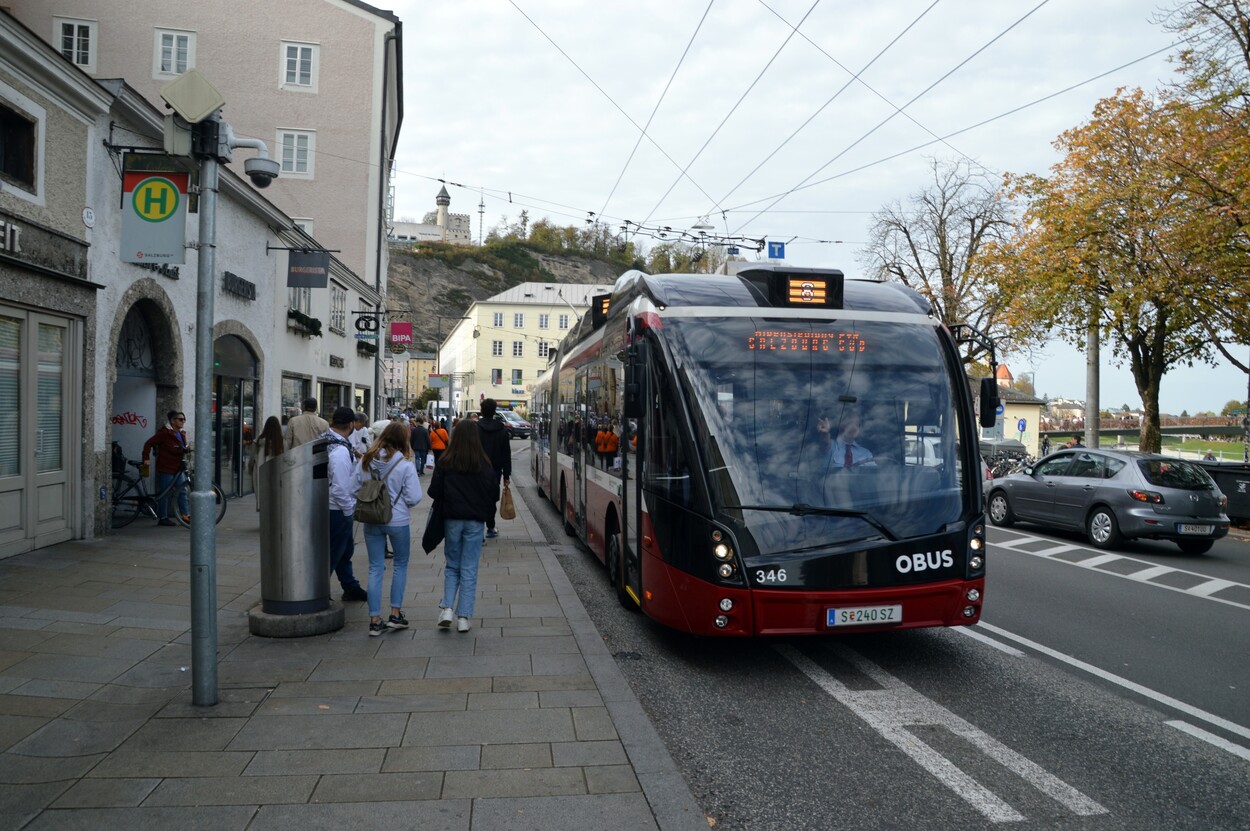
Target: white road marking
1211, 738
895, 707
1208, 586
1133, 686
977, 636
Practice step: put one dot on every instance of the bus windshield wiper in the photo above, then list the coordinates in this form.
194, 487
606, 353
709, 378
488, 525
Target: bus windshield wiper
803, 509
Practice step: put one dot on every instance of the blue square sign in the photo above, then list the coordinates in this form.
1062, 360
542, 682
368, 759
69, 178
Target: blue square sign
776, 250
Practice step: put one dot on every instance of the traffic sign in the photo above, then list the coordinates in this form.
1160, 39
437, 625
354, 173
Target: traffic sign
776, 250
1021, 424
999, 409
154, 217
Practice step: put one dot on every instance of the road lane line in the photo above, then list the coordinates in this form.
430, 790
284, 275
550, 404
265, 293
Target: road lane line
1133, 686
895, 707
1095, 562
1210, 738
1147, 574
977, 636
1210, 587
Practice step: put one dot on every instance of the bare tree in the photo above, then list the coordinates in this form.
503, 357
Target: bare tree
932, 244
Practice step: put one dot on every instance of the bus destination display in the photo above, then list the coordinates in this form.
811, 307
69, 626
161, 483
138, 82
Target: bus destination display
807, 341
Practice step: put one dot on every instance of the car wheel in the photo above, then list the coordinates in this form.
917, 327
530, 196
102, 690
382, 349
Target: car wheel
1195, 546
1102, 528
1000, 510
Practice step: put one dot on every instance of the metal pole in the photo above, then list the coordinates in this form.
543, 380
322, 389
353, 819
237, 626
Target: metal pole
1245, 422
1092, 404
202, 502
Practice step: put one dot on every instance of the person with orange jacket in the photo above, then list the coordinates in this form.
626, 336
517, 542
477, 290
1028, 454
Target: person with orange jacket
438, 440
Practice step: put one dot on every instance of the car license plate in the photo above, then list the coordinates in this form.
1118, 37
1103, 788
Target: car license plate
1195, 529
863, 616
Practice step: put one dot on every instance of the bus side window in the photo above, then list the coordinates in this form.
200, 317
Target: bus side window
667, 470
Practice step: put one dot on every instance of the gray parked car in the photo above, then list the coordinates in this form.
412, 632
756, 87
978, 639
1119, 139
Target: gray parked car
1113, 495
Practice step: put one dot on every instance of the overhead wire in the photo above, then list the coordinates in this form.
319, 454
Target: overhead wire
732, 110
611, 100
910, 101
656, 108
855, 76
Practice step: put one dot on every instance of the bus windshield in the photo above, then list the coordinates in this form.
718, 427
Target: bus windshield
820, 433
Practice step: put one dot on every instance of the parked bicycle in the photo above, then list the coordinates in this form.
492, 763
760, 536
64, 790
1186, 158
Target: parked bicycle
131, 497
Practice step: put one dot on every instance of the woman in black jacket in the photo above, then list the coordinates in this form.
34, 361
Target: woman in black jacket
466, 490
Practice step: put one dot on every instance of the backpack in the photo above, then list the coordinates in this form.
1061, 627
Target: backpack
373, 502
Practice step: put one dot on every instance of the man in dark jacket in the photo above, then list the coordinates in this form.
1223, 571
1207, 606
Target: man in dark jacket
498, 449
420, 444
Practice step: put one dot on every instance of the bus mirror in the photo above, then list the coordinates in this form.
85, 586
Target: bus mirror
989, 402
635, 381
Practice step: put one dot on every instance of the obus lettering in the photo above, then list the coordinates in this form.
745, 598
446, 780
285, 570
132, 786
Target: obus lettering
925, 561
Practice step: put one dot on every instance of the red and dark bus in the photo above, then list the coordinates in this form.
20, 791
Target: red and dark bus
720, 508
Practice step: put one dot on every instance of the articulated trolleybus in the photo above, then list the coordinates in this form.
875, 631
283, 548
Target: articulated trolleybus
777, 451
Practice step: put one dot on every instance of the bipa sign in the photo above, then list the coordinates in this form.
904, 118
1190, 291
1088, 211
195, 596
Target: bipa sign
401, 334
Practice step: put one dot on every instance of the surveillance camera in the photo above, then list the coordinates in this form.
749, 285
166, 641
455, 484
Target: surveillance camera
261, 171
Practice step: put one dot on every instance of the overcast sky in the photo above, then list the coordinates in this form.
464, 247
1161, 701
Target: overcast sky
539, 104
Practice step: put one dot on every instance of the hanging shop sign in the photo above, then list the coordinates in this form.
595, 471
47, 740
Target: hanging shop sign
154, 217
307, 269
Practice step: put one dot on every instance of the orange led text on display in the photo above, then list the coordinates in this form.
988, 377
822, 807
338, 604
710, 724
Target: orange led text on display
807, 341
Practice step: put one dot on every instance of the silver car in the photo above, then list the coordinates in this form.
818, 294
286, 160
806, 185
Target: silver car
1114, 495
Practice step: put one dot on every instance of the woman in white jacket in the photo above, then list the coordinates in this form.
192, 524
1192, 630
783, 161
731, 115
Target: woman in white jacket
390, 458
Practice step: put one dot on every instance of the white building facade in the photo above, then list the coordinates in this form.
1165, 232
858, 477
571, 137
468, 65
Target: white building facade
505, 343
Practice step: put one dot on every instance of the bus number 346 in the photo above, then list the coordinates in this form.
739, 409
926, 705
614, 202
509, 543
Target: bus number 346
777, 575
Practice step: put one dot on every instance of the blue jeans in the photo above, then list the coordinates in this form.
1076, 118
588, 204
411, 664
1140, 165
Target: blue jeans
341, 546
375, 543
462, 547
162, 481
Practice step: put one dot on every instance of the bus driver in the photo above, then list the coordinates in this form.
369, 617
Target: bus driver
843, 453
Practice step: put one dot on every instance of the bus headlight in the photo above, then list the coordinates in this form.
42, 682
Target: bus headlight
722, 552
726, 570
976, 563
969, 611
721, 621
973, 595
976, 544
726, 605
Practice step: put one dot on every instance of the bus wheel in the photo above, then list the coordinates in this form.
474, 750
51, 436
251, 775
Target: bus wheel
616, 571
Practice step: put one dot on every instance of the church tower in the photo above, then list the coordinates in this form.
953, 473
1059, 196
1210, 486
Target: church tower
443, 201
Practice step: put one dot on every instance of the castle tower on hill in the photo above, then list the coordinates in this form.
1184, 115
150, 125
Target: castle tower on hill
439, 225
443, 201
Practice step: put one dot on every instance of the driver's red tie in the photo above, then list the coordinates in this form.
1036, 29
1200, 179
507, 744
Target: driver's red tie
847, 460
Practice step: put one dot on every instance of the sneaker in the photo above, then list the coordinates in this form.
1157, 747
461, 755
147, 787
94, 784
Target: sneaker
355, 593
186, 518
397, 621
165, 521
444, 618
491, 533
462, 624
376, 627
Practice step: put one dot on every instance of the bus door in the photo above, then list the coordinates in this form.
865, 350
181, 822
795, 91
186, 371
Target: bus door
584, 443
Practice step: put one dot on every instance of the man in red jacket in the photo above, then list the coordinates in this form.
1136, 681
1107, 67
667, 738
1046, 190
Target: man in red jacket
170, 444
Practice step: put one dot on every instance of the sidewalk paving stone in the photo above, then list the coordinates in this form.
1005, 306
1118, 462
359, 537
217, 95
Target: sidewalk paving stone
523, 722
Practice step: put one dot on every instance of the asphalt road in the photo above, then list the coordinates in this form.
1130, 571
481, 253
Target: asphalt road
958, 728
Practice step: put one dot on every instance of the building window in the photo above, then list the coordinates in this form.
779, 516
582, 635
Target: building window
299, 299
516, 378
496, 349
518, 349
544, 321
496, 376
175, 53
76, 40
497, 319
544, 349
297, 148
564, 321
19, 136
338, 308
299, 66
305, 225
518, 320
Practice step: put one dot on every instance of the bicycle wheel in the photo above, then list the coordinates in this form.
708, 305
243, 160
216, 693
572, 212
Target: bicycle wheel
185, 519
126, 501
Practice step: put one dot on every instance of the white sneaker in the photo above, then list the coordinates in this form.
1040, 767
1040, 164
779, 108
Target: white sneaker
462, 624
444, 618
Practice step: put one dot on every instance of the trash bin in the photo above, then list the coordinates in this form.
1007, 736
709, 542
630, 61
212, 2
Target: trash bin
1233, 479
295, 531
